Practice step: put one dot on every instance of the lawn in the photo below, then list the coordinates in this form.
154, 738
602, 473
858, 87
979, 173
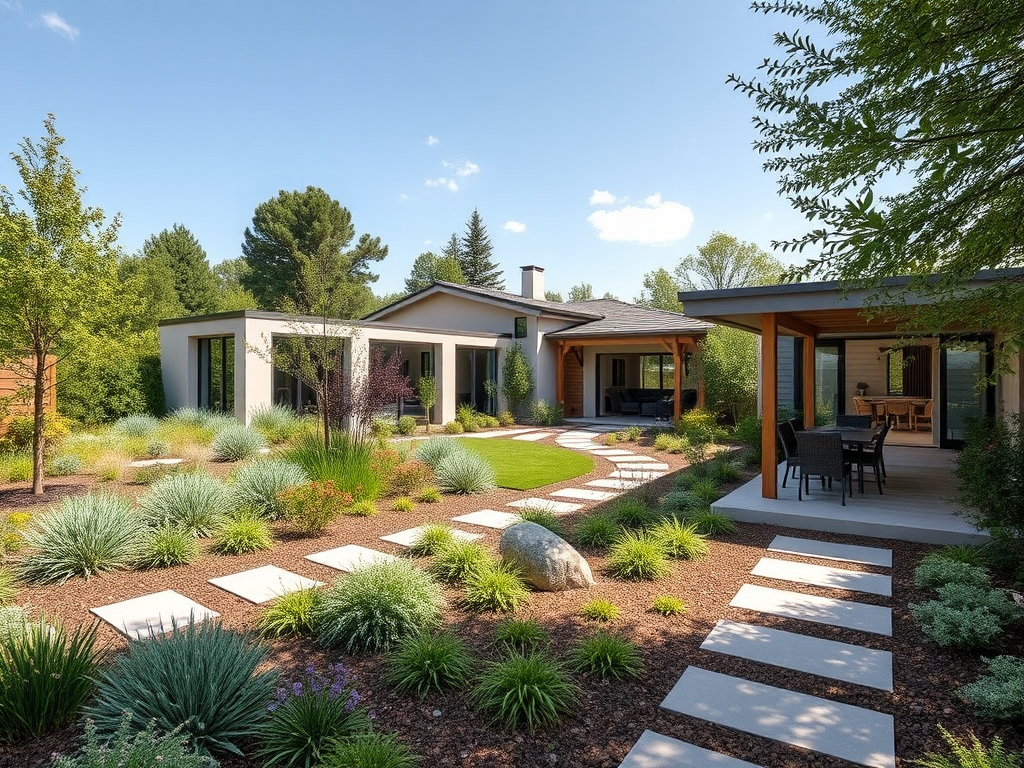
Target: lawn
521, 465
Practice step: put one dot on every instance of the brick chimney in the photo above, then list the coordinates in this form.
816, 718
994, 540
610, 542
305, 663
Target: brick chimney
533, 282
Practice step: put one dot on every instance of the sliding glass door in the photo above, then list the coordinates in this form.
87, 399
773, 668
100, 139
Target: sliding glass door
966, 366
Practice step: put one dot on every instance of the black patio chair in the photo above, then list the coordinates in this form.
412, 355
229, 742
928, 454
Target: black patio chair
872, 457
854, 422
821, 453
787, 439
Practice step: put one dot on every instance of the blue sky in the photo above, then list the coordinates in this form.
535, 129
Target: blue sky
598, 139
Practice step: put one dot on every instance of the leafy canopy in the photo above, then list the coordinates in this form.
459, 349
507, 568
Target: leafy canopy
429, 267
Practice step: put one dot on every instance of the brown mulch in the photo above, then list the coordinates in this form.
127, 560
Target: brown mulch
446, 731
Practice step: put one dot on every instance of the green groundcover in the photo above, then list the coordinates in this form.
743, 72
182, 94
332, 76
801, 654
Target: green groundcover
521, 465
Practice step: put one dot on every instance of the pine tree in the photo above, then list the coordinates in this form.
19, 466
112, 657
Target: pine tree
194, 281
475, 258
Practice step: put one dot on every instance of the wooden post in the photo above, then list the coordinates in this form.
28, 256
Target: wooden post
769, 404
702, 392
810, 389
560, 374
677, 394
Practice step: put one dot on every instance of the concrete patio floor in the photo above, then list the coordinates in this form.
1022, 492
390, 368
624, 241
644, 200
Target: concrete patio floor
915, 504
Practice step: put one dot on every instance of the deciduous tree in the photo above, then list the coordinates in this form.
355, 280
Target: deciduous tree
429, 268
553, 296
581, 292
725, 262
660, 291
476, 256
231, 295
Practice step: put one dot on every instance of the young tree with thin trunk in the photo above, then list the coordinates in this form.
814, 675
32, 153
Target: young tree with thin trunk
426, 391
58, 269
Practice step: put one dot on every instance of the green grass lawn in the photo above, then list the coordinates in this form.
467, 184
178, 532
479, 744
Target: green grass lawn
521, 465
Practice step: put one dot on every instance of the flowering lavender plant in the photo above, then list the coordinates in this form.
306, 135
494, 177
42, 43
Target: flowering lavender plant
310, 715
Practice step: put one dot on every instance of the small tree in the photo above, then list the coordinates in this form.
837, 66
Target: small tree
729, 358
581, 292
360, 400
516, 378
426, 391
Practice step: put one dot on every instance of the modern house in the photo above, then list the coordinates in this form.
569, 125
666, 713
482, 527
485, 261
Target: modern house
597, 357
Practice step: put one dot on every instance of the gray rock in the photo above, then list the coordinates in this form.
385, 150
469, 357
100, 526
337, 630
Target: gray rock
547, 561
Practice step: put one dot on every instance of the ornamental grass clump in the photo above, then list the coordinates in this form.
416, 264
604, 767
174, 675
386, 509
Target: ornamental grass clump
245, 532
431, 539
62, 466
464, 473
631, 511
710, 523
600, 610
257, 484
371, 750
680, 539
8, 590
545, 519
290, 614
458, 560
236, 442
521, 635
166, 546
193, 501
1000, 694
970, 754
310, 716
525, 690
277, 423
45, 677
82, 536
935, 571
429, 662
355, 467
637, 556
607, 656
431, 451
137, 425
668, 605
374, 607
597, 531
129, 748
203, 678
497, 588
312, 506
705, 491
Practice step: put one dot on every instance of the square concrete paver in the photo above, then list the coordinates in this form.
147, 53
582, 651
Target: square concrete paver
636, 474
825, 658
584, 493
546, 504
652, 750
826, 550
258, 585
630, 458
489, 518
613, 452
651, 466
851, 733
824, 576
876, 619
531, 436
409, 536
614, 483
349, 557
153, 614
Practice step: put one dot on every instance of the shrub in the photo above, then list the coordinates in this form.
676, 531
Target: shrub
374, 607
935, 571
600, 610
631, 511
137, 425
236, 442
521, 635
637, 556
486, 421
506, 419
257, 484
45, 677
680, 540
544, 518
999, 695
355, 467
16, 467
429, 495
364, 508
596, 531
994, 600
13, 621
496, 588
277, 423
403, 504
246, 532
62, 466
464, 472
191, 500
290, 614
406, 425
668, 605
605, 655
528, 690
454, 428
12, 531
157, 448
632, 433
166, 546
82, 536
431, 539
973, 754
382, 427
18, 432
670, 443
547, 415
698, 426
202, 678
705, 491
748, 434
467, 416
313, 506
135, 749
957, 625
962, 553
149, 475
611, 438
724, 471
408, 477
436, 448
8, 591
310, 716
455, 562
429, 662
371, 750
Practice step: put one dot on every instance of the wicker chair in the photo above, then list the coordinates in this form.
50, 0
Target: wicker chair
864, 408
897, 410
872, 458
821, 453
855, 422
922, 417
787, 440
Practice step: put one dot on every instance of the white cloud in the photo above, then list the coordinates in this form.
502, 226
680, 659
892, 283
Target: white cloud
465, 168
514, 226
442, 181
655, 222
55, 23
432, 140
404, 197
602, 197
767, 216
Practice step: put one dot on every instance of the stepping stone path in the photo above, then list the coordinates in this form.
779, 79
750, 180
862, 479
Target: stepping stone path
531, 436
547, 505
613, 452
636, 474
860, 735
155, 614
349, 557
488, 518
584, 493
154, 462
259, 585
615, 483
648, 466
409, 536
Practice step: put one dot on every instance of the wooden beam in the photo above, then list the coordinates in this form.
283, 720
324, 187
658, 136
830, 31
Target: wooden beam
810, 388
769, 404
677, 394
560, 373
577, 352
795, 324
611, 341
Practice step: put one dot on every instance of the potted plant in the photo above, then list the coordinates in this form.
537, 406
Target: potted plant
862, 388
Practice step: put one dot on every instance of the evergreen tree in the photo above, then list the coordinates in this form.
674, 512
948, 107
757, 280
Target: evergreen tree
194, 282
475, 258
453, 249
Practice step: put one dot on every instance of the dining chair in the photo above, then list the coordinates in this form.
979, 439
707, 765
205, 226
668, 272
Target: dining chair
857, 422
896, 410
925, 416
871, 458
787, 439
821, 453
863, 407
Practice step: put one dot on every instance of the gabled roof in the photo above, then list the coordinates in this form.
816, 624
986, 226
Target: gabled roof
618, 318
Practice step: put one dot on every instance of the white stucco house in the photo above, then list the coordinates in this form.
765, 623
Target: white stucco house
597, 357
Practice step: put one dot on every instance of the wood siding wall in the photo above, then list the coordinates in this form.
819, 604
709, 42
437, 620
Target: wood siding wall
12, 381
573, 378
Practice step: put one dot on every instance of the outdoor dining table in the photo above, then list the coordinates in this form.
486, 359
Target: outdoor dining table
858, 437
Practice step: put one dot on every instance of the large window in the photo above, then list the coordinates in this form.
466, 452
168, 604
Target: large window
217, 374
908, 371
657, 372
475, 378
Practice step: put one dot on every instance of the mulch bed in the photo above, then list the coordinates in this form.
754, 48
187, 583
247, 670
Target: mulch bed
611, 716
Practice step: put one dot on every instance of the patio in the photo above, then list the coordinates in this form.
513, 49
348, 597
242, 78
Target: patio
913, 507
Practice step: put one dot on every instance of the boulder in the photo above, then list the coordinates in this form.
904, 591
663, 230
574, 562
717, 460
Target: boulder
547, 561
